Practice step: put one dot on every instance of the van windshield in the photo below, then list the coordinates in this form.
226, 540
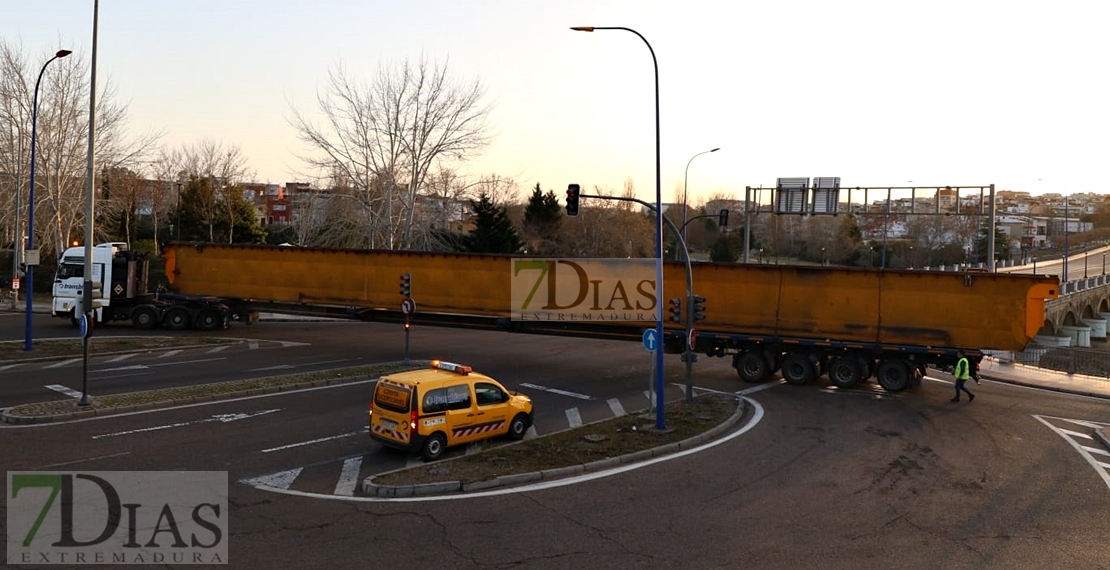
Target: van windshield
392, 397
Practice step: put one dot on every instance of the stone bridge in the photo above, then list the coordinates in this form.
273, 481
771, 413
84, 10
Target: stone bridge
1079, 315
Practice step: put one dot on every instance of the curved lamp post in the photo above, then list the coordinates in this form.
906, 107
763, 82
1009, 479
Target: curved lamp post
659, 386
31, 197
686, 191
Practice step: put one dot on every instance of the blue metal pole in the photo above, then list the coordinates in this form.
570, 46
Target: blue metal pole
27, 342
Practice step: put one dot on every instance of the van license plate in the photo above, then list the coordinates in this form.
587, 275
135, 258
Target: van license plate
389, 424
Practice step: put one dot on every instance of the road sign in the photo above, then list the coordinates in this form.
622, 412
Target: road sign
15, 283
651, 343
408, 307
692, 339
84, 325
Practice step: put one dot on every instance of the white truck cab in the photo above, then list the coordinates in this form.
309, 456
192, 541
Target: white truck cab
69, 281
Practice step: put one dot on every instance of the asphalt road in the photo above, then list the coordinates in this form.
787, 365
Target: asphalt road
825, 478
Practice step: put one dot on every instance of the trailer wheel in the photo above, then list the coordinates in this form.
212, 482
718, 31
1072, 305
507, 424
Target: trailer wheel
207, 320
894, 375
752, 366
176, 319
798, 368
144, 317
844, 372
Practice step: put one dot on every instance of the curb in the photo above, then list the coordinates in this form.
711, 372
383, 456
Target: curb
1103, 435
369, 488
1027, 384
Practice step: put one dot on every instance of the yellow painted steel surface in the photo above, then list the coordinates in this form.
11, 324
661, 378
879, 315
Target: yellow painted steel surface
923, 308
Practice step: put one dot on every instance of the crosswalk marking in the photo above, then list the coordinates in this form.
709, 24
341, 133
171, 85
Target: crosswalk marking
616, 407
574, 418
348, 478
169, 353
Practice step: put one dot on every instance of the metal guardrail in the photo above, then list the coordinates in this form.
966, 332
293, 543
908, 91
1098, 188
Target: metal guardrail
1092, 362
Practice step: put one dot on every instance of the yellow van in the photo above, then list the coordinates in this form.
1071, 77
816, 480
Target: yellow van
442, 406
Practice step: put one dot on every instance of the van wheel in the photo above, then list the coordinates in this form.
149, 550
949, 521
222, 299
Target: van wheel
518, 427
434, 447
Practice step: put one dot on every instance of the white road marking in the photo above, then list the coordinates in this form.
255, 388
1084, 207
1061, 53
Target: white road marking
574, 418
122, 357
286, 366
557, 391
219, 348
278, 367
63, 363
252, 345
313, 441
348, 478
289, 343
169, 353
64, 390
1076, 433
223, 418
755, 389
2, 368
146, 366
616, 407
1096, 450
75, 461
132, 367
280, 480
1084, 451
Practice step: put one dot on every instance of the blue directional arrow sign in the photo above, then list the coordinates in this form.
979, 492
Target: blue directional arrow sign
651, 343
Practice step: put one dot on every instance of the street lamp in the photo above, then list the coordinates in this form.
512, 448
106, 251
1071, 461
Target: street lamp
686, 191
659, 386
31, 198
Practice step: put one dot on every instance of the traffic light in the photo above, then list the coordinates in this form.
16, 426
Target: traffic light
698, 307
573, 191
722, 218
406, 285
676, 310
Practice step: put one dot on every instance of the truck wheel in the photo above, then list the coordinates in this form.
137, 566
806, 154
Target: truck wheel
894, 375
176, 319
752, 366
144, 317
844, 372
518, 427
207, 320
434, 447
798, 369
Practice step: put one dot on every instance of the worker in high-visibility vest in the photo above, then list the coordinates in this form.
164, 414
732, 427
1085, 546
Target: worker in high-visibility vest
962, 374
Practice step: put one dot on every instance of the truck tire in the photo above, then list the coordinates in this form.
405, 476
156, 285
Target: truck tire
144, 317
752, 366
176, 319
208, 320
845, 372
798, 369
894, 375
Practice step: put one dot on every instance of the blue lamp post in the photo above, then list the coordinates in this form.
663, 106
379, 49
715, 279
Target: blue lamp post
31, 197
659, 386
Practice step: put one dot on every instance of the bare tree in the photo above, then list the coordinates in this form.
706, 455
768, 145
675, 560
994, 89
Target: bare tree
225, 169
388, 137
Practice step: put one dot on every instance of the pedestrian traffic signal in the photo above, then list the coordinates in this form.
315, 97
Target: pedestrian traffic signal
406, 285
697, 305
676, 310
722, 218
573, 191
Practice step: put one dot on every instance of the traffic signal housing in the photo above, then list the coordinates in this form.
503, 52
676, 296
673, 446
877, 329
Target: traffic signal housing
675, 310
406, 285
697, 305
722, 218
573, 192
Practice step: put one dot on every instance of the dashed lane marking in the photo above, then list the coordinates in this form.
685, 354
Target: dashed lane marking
10, 366
219, 348
616, 407
63, 363
557, 391
169, 353
122, 357
252, 345
574, 418
314, 441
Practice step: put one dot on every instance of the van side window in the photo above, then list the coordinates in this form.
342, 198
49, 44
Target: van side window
458, 397
435, 401
486, 393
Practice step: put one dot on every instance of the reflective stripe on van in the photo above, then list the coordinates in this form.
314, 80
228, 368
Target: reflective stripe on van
480, 428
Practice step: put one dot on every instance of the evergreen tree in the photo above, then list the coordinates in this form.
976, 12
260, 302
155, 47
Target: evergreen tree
542, 217
493, 231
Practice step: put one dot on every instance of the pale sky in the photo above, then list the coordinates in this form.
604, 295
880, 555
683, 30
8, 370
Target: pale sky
879, 93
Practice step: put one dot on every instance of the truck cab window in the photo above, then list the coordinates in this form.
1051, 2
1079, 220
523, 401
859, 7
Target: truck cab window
66, 270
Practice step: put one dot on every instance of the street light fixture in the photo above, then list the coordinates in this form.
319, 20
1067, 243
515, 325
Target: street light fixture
31, 198
659, 386
685, 189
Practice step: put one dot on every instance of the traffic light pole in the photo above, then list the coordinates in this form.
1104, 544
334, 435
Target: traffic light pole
688, 353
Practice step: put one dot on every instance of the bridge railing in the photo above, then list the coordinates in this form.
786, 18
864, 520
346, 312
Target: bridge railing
1094, 362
